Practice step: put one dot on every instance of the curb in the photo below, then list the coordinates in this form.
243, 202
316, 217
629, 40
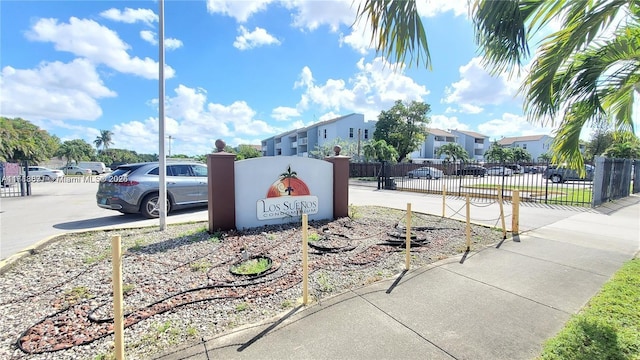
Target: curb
7, 263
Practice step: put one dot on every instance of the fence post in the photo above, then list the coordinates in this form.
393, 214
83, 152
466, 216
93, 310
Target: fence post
444, 198
407, 260
118, 317
515, 211
305, 263
468, 223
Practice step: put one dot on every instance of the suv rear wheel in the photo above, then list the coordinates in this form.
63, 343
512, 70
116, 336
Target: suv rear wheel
149, 207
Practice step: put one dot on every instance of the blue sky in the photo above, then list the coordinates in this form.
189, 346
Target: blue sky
237, 70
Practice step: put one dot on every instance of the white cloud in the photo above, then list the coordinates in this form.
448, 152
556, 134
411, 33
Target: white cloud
169, 44
95, 42
310, 15
445, 123
149, 36
477, 88
511, 125
131, 16
195, 124
53, 90
240, 10
432, 8
359, 39
172, 44
258, 37
283, 113
375, 86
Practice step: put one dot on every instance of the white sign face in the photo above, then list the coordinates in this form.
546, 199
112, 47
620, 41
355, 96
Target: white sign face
279, 189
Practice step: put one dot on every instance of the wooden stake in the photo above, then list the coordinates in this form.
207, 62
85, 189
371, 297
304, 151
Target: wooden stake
305, 264
468, 223
444, 199
504, 225
407, 261
515, 218
118, 314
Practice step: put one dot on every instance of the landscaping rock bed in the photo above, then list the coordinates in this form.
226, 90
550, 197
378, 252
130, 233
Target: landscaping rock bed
56, 303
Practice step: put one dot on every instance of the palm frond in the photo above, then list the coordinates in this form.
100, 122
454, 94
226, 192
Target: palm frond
397, 30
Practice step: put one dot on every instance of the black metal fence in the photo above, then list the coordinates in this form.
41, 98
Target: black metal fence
533, 181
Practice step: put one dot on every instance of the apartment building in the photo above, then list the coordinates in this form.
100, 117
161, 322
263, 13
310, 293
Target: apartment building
301, 142
536, 145
474, 143
435, 139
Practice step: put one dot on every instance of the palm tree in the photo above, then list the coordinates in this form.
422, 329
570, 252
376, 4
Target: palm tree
578, 78
104, 139
288, 176
452, 152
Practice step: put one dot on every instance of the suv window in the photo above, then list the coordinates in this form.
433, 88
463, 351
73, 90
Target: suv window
199, 170
179, 170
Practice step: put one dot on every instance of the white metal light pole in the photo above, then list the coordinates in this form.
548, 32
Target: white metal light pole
162, 171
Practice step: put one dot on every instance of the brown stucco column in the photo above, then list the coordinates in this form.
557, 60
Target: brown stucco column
222, 192
340, 184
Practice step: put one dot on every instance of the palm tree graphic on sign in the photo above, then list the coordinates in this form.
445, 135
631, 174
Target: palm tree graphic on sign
288, 184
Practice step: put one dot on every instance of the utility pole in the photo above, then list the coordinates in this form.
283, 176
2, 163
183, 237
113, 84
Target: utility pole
162, 171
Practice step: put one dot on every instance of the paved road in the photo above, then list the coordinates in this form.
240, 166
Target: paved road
56, 208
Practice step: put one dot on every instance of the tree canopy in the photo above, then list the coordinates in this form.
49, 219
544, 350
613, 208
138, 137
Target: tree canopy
452, 152
75, 150
403, 126
379, 150
21, 140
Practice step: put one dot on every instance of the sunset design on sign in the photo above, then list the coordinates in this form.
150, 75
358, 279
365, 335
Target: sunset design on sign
288, 184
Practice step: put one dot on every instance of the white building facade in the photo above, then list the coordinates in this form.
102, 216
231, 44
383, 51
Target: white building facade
301, 142
536, 145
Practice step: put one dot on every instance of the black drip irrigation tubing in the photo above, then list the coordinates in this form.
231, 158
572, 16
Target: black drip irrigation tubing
149, 306
162, 310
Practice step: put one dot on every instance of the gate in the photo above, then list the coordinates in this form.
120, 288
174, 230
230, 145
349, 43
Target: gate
613, 180
12, 183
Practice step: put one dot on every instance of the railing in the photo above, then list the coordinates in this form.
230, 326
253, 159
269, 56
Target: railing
531, 183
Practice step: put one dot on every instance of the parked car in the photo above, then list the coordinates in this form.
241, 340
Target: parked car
474, 170
515, 168
533, 169
425, 172
499, 171
560, 174
75, 170
43, 173
134, 188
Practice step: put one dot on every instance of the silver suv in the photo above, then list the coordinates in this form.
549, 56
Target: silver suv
134, 188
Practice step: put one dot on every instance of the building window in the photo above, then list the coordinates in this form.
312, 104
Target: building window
325, 133
351, 133
366, 134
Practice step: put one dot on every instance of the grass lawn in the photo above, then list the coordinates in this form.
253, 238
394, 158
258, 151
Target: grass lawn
556, 196
608, 327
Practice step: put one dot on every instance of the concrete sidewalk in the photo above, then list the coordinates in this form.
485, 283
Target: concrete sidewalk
500, 302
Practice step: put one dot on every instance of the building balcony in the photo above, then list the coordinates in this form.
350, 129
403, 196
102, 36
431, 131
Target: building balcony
302, 141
